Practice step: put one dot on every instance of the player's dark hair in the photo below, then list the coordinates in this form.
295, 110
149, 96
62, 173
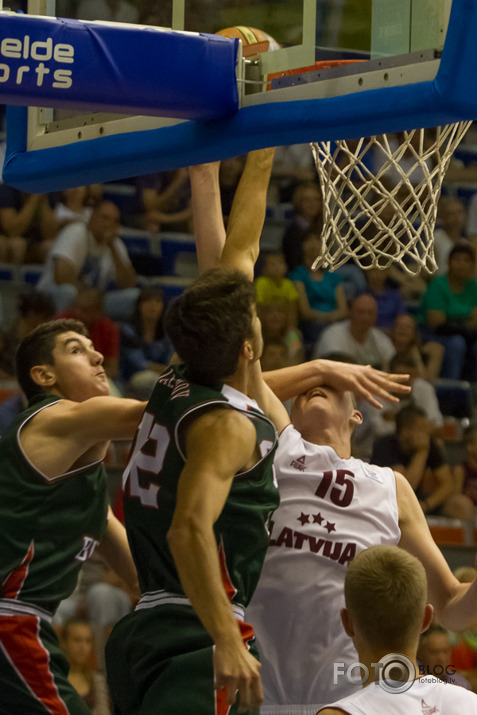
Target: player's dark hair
209, 322
37, 349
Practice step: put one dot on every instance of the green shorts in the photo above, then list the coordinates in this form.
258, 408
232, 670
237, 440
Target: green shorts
33, 670
160, 660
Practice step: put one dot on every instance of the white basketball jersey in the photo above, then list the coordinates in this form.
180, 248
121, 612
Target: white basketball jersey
330, 509
427, 696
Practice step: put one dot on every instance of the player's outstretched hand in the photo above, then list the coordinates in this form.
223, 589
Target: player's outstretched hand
365, 382
238, 673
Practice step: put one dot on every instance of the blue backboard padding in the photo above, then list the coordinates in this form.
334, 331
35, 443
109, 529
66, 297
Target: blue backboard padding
450, 97
123, 69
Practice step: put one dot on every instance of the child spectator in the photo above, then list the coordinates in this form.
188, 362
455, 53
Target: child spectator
276, 325
272, 285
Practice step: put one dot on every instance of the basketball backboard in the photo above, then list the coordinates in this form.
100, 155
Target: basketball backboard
414, 72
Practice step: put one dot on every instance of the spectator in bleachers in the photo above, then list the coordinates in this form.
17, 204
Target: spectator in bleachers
27, 226
272, 285
145, 349
165, 201
449, 314
465, 474
308, 208
358, 336
406, 338
423, 393
92, 255
413, 452
274, 355
76, 638
452, 219
321, 296
88, 306
75, 204
434, 656
387, 296
276, 325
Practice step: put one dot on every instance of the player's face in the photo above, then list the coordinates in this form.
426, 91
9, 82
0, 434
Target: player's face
322, 407
78, 368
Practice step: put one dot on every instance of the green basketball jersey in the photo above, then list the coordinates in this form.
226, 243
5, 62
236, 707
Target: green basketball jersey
152, 475
49, 526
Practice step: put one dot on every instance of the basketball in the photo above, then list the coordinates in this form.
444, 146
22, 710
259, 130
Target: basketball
250, 36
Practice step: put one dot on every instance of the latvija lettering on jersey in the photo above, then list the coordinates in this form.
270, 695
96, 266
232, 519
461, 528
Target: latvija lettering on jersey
334, 550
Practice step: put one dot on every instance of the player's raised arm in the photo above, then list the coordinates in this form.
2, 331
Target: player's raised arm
236, 249
209, 229
248, 213
364, 381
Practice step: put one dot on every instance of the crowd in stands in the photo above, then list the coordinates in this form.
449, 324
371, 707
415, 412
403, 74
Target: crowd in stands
426, 328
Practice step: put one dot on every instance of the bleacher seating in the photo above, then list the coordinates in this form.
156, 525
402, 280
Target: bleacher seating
172, 244
455, 397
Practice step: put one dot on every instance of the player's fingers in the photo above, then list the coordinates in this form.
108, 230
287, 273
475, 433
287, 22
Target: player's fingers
250, 694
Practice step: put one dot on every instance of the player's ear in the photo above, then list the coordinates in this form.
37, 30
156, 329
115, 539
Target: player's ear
356, 417
43, 375
248, 350
427, 617
347, 622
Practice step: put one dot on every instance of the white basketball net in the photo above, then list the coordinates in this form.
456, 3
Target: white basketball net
386, 215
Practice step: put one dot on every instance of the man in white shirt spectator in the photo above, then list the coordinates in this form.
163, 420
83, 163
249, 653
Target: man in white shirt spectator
91, 255
358, 337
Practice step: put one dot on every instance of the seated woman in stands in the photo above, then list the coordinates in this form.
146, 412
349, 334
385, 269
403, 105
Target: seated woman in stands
144, 347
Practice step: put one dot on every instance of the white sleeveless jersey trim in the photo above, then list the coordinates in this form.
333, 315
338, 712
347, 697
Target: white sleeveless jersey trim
236, 400
426, 696
65, 475
330, 510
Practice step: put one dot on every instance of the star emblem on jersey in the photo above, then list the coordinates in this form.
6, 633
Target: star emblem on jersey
317, 518
330, 527
298, 464
428, 709
304, 518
